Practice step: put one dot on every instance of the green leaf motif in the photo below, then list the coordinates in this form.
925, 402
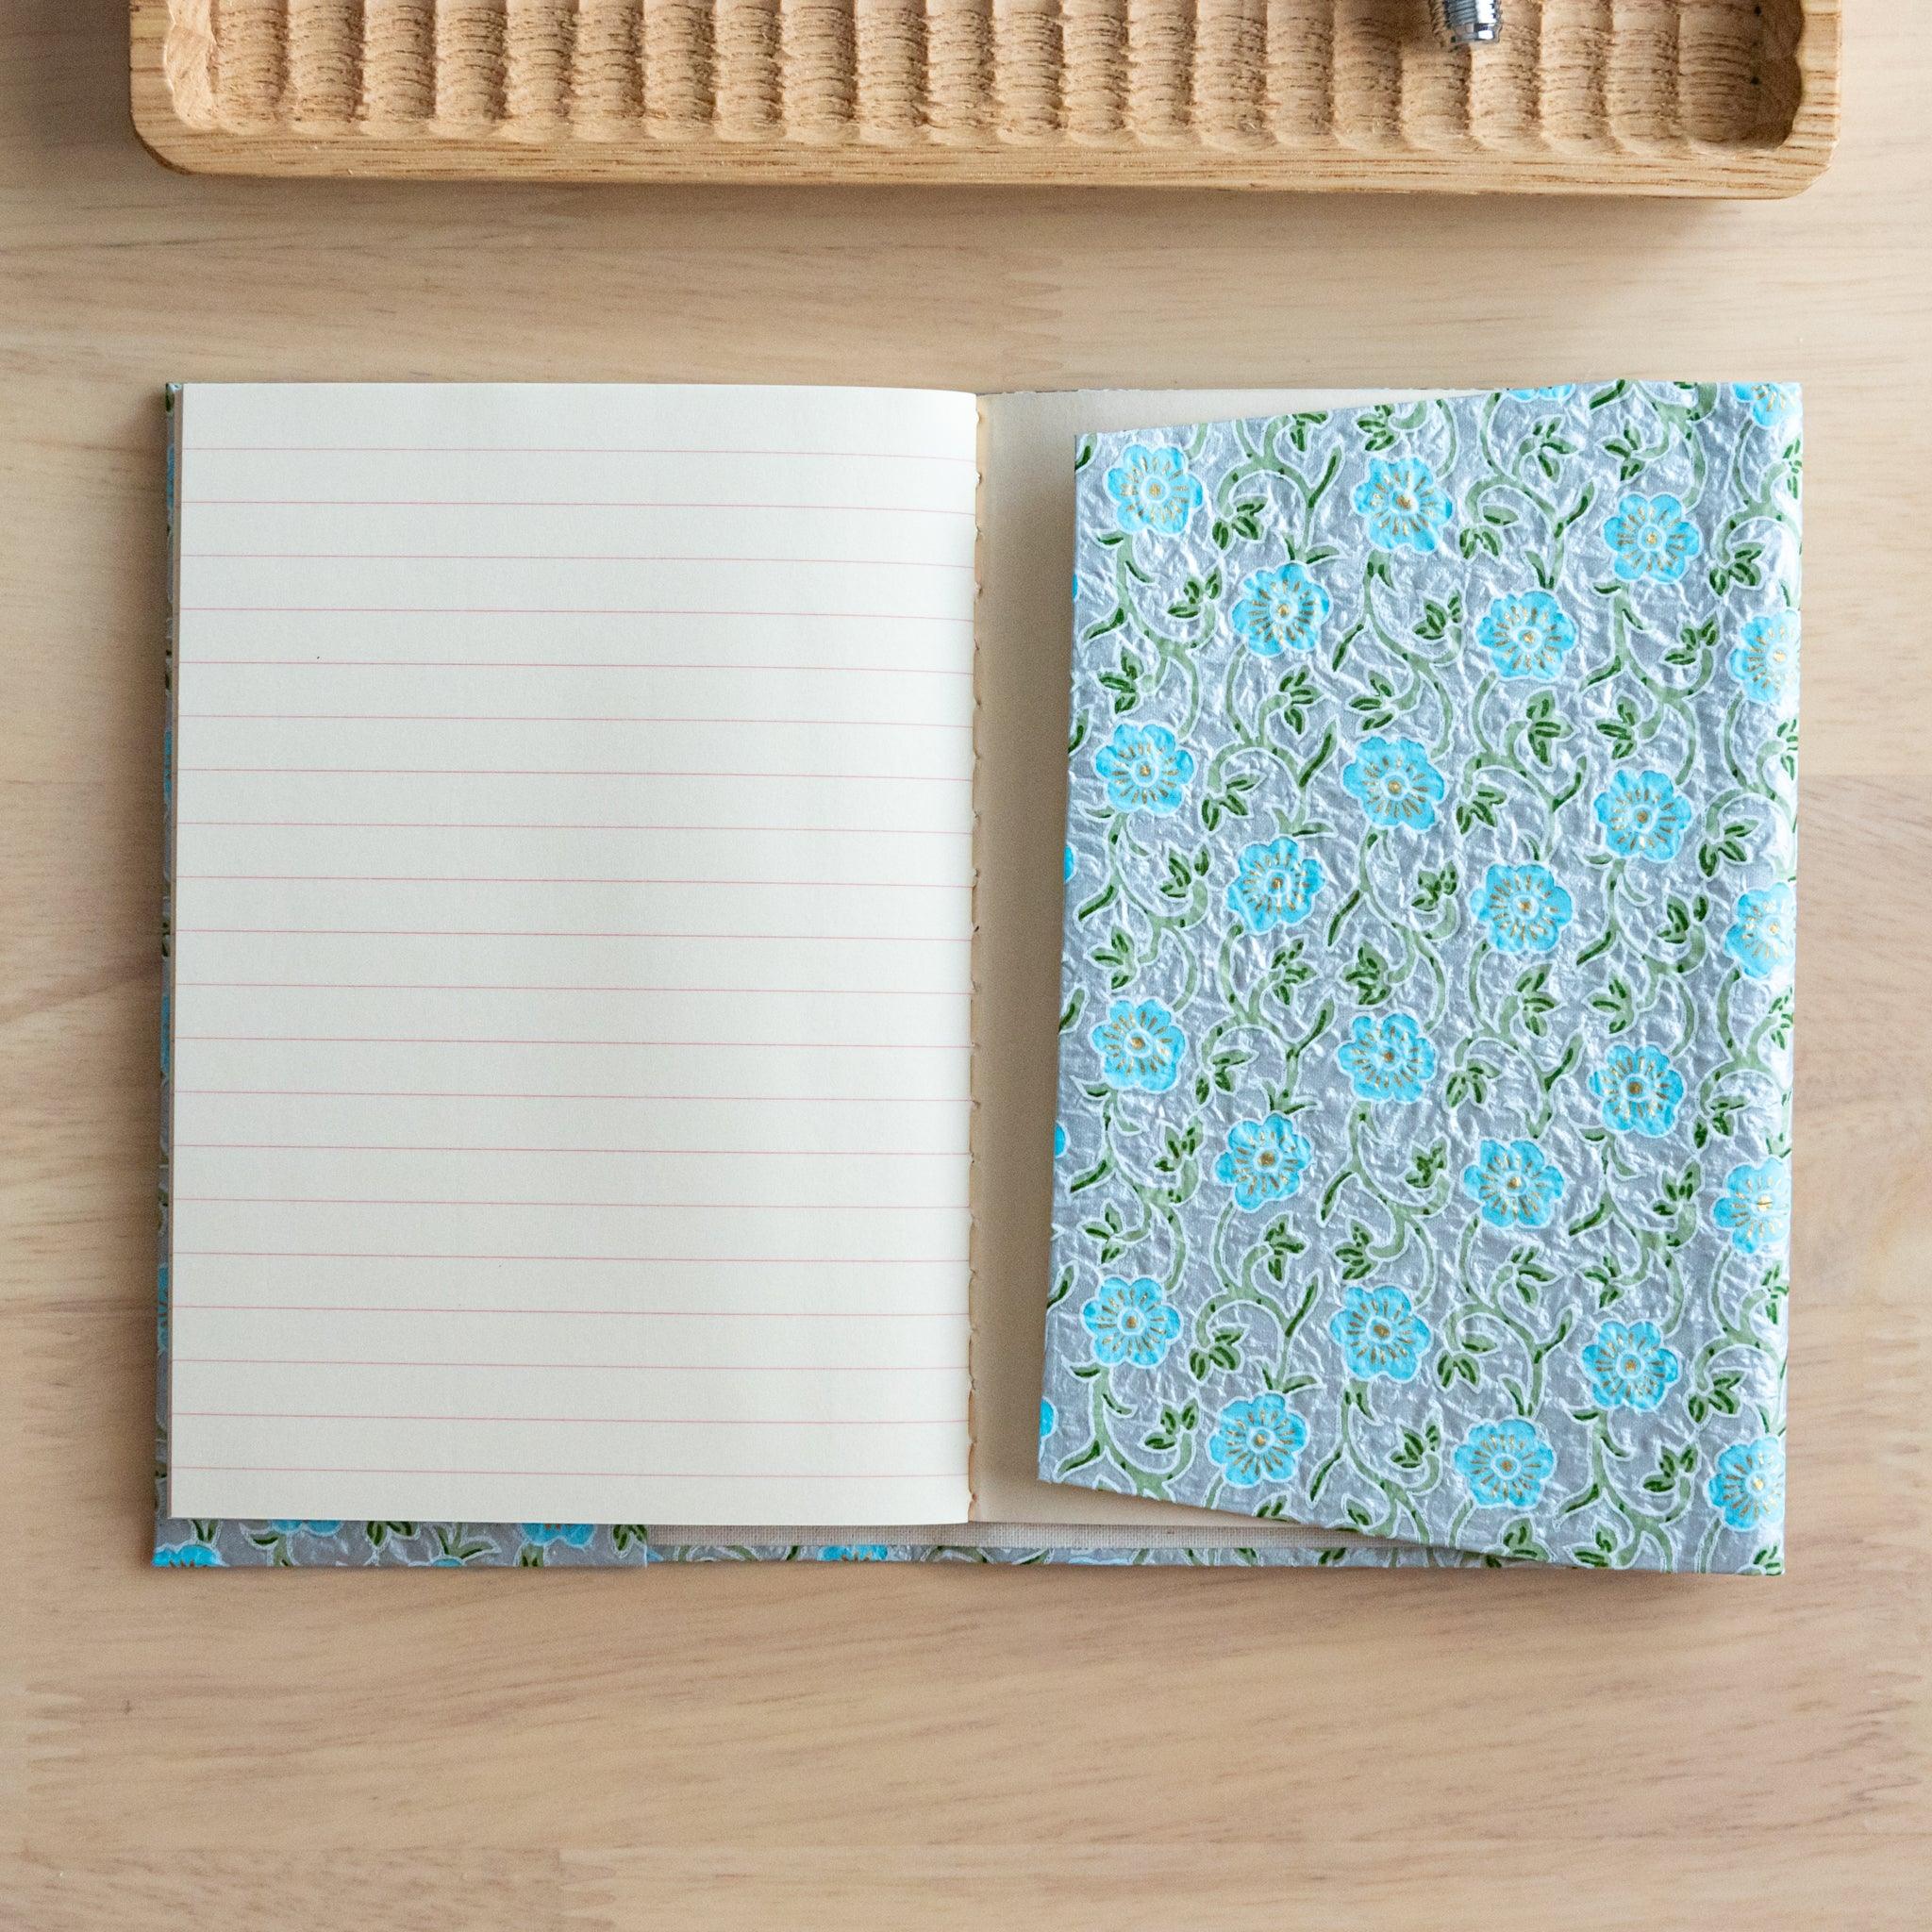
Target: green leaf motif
1369, 977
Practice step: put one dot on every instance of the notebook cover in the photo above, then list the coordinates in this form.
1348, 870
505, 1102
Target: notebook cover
1423, 1153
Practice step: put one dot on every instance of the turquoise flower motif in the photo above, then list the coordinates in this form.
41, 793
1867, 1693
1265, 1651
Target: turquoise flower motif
187, 1557
286, 1527
1628, 1365
1258, 1441
1387, 1059
1513, 1184
1154, 488
1402, 503
1060, 1139
1144, 769
1130, 1322
1550, 391
1067, 870
1379, 1334
575, 1535
1651, 538
1763, 933
1773, 403
1274, 885
1504, 1464
1523, 907
1747, 1487
1526, 635
1395, 782
1639, 1090
854, 1552
1765, 662
1049, 1420
1755, 1210
1643, 816
1280, 611
1263, 1162
1140, 1045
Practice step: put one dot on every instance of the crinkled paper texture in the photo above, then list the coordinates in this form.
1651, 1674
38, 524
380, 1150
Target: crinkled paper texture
1423, 1158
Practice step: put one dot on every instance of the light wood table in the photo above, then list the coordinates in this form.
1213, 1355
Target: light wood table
850, 1748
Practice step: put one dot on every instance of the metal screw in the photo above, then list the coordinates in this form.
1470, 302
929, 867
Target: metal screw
1467, 23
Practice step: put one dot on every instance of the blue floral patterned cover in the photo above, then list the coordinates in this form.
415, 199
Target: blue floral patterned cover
1424, 1151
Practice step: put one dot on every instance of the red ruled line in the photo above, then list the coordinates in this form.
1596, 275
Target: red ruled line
552, 771
491, 1039
404, 879
492, 932
637, 1207
554, 556
732, 1153
570, 664
884, 510
549, 826
562, 610
551, 717
662, 1261
856, 993
644, 1422
550, 449
181, 1307
696, 1475
735, 1099
276, 1361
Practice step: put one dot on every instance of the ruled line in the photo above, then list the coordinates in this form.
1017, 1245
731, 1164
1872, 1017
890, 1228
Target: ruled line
866, 510
546, 449
439, 932
642, 1422
734, 1475
553, 771
541, 718
667, 1260
679, 1153
842, 992
557, 556
404, 879
740, 1206
559, 611
548, 825
494, 1039
734, 1099
271, 1362
576, 664
512, 1040
954, 1315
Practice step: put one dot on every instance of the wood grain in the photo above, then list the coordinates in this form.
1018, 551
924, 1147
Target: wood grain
1623, 96
857, 1746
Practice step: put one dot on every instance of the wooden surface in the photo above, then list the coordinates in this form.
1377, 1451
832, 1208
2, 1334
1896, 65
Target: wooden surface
1599, 96
857, 1746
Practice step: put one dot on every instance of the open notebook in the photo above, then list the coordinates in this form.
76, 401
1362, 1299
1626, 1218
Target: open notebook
617, 869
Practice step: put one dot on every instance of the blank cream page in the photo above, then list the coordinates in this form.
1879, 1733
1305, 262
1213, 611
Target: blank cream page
572, 954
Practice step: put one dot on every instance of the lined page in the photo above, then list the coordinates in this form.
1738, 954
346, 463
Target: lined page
572, 954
